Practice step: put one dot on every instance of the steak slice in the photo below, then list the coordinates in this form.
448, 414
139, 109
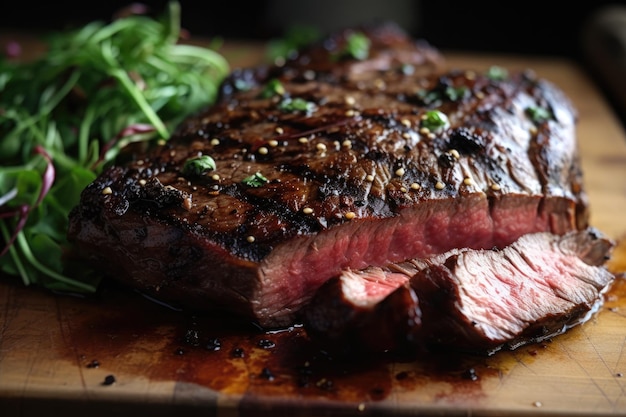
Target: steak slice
466, 299
365, 162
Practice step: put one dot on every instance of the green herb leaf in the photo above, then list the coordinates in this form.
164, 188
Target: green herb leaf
199, 165
436, 96
273, 88
429, 97
497, 73
456, 93
539, 114
357, 46
255, 180
434, 120
296, 104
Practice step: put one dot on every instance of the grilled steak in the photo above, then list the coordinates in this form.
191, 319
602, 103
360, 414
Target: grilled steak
329, 161
475, 300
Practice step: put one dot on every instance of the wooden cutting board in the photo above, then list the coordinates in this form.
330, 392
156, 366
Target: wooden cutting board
121, 354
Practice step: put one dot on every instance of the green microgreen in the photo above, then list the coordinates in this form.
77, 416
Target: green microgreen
68, 113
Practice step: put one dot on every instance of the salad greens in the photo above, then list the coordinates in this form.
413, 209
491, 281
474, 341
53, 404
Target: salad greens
67, 114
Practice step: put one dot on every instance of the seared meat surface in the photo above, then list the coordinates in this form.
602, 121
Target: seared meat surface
333, 161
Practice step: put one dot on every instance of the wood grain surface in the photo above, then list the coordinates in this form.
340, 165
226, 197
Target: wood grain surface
119, 354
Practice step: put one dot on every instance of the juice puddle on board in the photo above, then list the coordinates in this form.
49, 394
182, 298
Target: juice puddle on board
131, 336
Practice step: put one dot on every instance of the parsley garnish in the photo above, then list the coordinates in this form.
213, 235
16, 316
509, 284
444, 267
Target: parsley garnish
357, 46
539, 114
255, 180
497, 73
296, 104
437, 95
435, 120
273, 88
198, 165
456, 93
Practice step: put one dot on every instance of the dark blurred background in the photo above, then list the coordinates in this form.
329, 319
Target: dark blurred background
529, 26
593, 33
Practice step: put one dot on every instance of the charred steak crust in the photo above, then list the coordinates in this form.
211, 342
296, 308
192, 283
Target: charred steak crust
330, 162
